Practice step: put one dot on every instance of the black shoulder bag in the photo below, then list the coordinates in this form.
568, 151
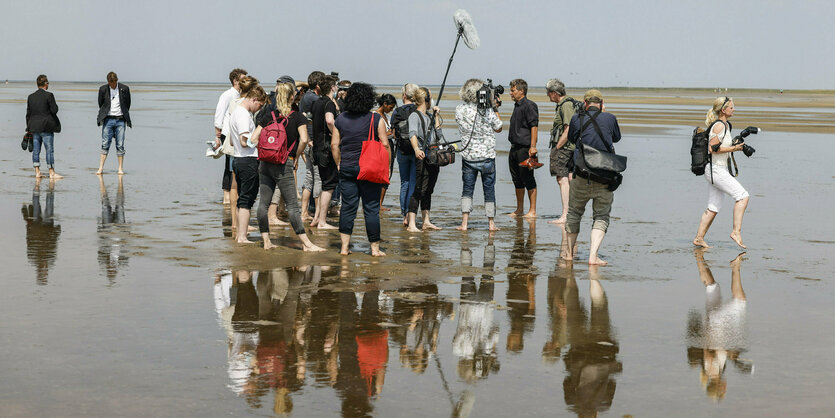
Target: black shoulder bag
598, 165
436, 154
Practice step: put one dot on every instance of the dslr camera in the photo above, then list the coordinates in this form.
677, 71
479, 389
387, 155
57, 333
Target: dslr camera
740, 139
487, 97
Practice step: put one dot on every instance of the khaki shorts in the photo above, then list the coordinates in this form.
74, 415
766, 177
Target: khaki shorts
562, 162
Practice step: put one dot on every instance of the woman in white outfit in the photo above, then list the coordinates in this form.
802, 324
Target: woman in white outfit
719, 178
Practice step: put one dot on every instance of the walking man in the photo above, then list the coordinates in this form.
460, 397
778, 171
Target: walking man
562, 150
114, 114
524, 127
42, 122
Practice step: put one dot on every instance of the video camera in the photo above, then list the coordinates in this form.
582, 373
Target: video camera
740, 139
487, 97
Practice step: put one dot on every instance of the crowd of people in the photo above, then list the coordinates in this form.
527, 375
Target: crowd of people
327, 120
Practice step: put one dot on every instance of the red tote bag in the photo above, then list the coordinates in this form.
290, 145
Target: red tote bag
374, 159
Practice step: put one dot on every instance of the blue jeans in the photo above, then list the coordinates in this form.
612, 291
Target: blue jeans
469, 173
353, 191
48, 141
113, 128
408, 177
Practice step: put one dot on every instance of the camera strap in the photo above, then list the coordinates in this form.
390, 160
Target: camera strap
472, 131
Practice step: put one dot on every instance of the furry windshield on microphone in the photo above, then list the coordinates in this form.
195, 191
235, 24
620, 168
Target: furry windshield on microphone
464, 24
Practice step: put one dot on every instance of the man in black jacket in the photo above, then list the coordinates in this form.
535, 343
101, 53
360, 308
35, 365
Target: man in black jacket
42, 122
114, 114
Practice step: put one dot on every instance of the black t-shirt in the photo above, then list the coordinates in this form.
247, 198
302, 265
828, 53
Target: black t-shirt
321, 134
353, 131
295, 120
525, 116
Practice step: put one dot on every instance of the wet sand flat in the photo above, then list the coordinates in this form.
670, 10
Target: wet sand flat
129, 298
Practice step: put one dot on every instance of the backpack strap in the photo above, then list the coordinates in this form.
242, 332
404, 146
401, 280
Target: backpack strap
593, 121
423, 128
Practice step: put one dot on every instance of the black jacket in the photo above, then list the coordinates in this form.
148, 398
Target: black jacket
104, 102
42, 113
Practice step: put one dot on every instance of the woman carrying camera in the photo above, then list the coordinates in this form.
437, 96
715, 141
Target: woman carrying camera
478, 128
422, 135
351, 129
718, 174
282, 176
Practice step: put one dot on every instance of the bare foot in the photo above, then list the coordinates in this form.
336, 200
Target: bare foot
377, 253
428, 226
245, 241
313, 248
413, 229
325, 225
738, 259
700, 242
251, 228
515, 214
58, 176
558, 221
120, 172
278, 222
493, 228
98, 173
344, 252
737, 237
461, 227
268, 245
384, 209
597, 262
564, 255
405, 221
307, 218
529, 215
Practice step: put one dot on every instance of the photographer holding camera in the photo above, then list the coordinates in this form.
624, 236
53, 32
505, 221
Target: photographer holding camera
721, 180
478, 122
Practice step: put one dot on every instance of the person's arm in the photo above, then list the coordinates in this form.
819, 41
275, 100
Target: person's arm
53, 107
719, 129
382, 135
28, 113
616, 133
414, 139
303, 140
127, 98
101, 96
566, 119
534, 133
220, 113
330, 119
498, 122
534, 122
254, 140
336, 139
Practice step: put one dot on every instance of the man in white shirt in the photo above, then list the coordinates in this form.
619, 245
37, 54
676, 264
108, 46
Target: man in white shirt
223, 102
114, 114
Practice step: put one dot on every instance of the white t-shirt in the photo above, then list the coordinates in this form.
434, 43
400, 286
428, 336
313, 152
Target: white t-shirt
115, 106
241, 123
720, 159
223, 105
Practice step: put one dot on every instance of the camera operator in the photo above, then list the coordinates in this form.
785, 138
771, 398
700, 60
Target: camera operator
478, 128
562, 150
524, 127
718, 175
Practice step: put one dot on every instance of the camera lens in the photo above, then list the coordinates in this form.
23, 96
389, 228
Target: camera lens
748, 150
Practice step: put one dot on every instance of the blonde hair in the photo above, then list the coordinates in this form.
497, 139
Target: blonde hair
284, 98
718, 105
247, 83
410, 90
256, 93
419, 96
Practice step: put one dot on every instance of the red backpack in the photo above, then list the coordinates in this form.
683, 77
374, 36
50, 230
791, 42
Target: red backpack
272, 144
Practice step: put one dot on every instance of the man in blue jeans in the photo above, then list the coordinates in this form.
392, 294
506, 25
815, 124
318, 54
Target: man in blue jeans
478, 128
42, 122
114, 114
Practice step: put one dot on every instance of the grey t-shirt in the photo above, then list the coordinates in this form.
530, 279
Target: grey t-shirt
421, 129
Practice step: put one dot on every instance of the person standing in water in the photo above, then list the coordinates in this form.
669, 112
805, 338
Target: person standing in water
114, 114
43, 123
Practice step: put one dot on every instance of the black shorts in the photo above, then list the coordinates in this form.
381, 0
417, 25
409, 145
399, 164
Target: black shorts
246, 174
523, 178
329, 175
562, 162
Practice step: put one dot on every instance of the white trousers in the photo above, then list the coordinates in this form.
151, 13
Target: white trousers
723, 184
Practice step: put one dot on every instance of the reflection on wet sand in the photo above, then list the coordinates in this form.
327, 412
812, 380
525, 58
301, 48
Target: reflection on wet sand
720, 334
41, 232
521, 288
112, 230
585, 341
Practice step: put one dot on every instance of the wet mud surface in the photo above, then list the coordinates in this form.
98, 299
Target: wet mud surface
128, 296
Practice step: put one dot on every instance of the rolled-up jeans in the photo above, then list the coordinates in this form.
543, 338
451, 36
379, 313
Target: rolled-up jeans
469, 173
48, 141
580, 192
407, 164
280, 177
113, 128
353, 191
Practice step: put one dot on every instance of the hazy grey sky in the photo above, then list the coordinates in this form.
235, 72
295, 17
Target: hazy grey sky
761, 44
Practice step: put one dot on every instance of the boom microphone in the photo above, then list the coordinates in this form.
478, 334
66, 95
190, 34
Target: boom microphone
465, 27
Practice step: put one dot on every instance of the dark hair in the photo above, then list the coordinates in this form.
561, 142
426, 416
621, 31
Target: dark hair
359, 98
236, 74
314, 79
520, 85
386, 99
112, 77
326, 84
42, 80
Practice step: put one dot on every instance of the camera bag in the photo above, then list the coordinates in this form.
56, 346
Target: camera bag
598, 165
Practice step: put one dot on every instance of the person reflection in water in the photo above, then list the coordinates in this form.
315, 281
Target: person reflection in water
476, 335
112, 229
521, 288
419, 315
719, 335
41, 232
591, 359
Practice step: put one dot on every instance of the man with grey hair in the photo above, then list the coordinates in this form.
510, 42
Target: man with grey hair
478, 128
562, 150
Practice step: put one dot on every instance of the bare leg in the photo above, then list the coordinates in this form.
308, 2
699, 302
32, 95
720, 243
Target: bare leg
704, 271
121, 159
492, 225
305, 204
383, 197
464, 218
272, 214
736, 278
707, 219
596, 239
596, 293
520, 204
101, 164
346, 241
308, 245
427, 225
53, 175
412, 222
570, 247
564, 183
37, 172
243, 223
375, 250
320, 220
233, 196
532, 211
739, 212
265, 236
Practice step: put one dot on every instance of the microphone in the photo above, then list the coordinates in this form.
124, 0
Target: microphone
464, 25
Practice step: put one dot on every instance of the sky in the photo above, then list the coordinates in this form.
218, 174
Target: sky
593, 43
